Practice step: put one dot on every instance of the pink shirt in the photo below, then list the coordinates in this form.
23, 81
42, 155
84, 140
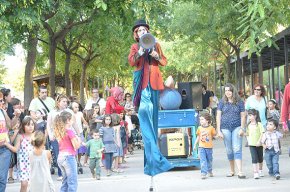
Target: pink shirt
65, 145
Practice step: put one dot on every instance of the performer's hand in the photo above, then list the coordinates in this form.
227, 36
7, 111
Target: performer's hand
155, 55
141, 51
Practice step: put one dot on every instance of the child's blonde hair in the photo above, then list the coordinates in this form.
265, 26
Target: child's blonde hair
38, 139
60, 122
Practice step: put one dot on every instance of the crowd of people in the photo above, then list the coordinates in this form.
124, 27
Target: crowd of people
255, 118
59, 133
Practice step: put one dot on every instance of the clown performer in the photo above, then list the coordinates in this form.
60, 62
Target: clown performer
112, 104
147, 83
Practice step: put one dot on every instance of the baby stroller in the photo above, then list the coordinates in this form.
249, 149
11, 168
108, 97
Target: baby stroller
137, 139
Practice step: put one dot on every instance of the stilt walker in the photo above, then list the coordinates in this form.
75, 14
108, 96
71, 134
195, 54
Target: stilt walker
147, 83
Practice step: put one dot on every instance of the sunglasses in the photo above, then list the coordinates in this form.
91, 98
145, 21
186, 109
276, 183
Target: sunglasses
258, 89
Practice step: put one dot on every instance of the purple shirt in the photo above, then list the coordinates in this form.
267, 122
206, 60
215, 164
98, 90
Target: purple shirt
65, 145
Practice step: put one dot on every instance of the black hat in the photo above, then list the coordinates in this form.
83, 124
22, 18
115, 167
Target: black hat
139, 23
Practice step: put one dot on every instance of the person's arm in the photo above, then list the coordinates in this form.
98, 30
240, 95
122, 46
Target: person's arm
134, 55
49, 126
285, 107
218, 123
48, 155
16, 147
76, 142
162, 60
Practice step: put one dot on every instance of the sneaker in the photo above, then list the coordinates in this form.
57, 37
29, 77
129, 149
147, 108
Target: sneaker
261, 174
203, 176
256, 175
98, 177
93, 175
210, 174
277, 176
59, 178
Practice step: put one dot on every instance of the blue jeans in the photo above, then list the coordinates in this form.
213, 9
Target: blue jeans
68, 166
272, 161
55, 149
5, 155
205, 155
108, 160
233, 143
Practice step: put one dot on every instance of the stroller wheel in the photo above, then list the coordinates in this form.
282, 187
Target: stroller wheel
52, 171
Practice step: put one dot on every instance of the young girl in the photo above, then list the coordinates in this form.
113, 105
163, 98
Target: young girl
68, 145
119, 152
97, 117
124, 132
255, 131
23, 148
273, 110
40, 177
205, 133
107, 134
80, 122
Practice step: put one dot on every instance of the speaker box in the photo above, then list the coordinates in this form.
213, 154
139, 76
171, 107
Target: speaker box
191, 94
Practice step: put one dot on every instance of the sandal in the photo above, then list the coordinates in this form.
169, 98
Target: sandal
10, 180
231, 174
241, 176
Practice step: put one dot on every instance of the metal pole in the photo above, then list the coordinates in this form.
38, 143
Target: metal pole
286, 59
273, 75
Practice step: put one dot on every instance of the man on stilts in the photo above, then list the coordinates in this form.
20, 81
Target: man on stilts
147, 84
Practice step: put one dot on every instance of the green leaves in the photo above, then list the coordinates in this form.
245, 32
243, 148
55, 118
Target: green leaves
100, 4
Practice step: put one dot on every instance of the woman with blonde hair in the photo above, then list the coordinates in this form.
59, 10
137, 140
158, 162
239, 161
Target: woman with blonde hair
68, 145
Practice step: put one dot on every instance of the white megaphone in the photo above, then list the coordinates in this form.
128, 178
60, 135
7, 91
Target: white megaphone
147, 41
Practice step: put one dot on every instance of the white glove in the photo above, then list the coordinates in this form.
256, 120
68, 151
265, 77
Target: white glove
141, 51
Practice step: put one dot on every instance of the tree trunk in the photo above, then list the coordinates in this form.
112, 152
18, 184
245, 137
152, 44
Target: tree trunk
83, 75
31, 57
52, 61
67, 81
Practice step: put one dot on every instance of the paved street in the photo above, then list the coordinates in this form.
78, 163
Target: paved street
185, 180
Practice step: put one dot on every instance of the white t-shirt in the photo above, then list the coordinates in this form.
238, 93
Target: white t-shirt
36, 104
79, 116
100, 101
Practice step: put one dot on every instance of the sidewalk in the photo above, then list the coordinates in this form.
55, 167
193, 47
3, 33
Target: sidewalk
185, 179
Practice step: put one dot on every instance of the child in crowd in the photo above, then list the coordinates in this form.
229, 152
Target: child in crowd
255, 131
270, 141
23, 148
273, 110
96, 148
68, 144
80, 123
40, 117
107, 134
205, 134
97, 117
124, 134
40, 177
119, 152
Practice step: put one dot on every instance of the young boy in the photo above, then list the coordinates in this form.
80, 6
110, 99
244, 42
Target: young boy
205, 133
96, 147
270, 141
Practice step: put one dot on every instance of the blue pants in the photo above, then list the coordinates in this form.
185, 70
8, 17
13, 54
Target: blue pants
5, 155
205, 155
272, 161
68, 166
108, 160
55, 149
233, 143
155, 162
